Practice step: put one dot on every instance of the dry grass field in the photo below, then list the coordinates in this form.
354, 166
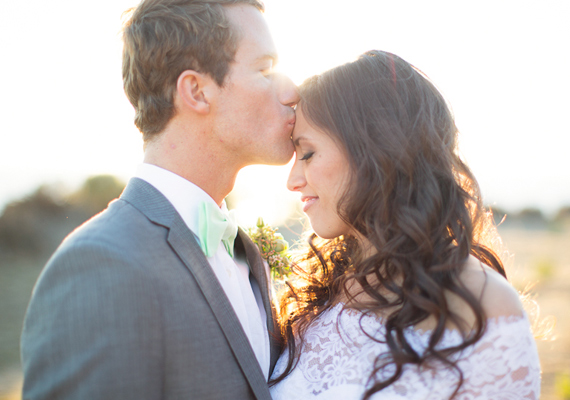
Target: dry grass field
538, 257
542, 258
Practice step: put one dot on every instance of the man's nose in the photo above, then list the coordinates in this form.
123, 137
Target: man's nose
287, 91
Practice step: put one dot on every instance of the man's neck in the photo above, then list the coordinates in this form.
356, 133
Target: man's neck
204, 167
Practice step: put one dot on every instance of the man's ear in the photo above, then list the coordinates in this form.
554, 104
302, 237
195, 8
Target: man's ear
192, 89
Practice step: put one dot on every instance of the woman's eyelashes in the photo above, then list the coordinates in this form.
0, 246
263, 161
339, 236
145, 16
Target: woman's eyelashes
307, 155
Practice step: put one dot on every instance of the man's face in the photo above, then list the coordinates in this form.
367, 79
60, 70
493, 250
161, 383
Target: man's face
253, 109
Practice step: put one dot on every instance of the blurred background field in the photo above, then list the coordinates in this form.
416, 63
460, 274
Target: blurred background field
31, 228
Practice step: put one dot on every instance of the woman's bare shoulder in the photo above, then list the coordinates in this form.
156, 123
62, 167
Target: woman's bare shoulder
497, 296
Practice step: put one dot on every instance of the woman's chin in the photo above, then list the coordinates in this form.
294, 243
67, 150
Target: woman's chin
327, 233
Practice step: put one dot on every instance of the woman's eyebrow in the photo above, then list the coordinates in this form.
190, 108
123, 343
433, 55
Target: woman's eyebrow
296, 141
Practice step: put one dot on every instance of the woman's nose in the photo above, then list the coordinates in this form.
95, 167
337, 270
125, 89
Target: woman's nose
296, 180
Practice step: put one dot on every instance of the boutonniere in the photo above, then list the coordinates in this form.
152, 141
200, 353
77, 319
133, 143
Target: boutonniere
273, 249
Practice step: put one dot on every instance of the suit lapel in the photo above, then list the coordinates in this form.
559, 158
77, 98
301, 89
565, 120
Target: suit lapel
257, 268
261, 274
157, 208
182, 241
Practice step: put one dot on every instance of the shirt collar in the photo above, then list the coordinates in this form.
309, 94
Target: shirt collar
184, 195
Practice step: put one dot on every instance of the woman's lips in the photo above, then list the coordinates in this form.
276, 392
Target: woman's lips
309, 201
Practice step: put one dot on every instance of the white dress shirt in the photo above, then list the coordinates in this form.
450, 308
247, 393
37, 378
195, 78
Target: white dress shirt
232, 273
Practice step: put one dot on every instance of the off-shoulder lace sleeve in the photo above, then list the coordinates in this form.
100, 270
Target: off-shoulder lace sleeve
336, 362
504, 364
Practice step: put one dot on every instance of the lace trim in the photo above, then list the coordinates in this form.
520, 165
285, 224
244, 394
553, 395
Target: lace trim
503, 364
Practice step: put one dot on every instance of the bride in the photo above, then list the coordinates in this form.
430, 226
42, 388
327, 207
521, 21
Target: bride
400, 296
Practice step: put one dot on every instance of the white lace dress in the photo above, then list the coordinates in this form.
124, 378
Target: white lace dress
336, 362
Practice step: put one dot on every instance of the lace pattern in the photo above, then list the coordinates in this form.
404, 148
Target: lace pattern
336, 362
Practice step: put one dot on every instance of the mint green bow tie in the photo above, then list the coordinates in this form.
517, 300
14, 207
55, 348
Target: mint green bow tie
215, 226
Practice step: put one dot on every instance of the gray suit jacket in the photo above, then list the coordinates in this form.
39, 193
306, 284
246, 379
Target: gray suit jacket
129, 308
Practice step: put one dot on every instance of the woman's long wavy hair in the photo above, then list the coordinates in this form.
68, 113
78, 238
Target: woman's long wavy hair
413, 199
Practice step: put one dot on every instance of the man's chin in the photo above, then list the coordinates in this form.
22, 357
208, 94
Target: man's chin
280, 155
280, 161
280, 158
286, 157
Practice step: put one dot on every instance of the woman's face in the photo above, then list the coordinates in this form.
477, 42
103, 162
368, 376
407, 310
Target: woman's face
320, 173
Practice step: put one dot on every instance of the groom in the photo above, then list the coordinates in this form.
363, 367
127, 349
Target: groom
152, 298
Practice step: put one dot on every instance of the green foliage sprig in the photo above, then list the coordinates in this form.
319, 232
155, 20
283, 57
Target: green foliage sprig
273, 249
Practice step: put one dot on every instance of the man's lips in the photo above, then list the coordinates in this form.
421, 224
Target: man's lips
309, 201
292, 120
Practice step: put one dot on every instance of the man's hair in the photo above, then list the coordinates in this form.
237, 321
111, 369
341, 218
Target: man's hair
163, 38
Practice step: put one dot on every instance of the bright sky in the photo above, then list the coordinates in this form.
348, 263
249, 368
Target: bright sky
503, 65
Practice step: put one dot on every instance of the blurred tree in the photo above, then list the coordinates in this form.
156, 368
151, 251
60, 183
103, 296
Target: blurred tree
37, 224
532, 214
26, 225
563, 215
532, 218
561, 221
96, 193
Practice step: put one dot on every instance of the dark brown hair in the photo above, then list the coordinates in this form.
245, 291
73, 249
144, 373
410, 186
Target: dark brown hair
163, 38
410, 196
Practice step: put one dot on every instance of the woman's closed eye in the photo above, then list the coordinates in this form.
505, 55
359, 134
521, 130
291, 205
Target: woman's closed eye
307, 155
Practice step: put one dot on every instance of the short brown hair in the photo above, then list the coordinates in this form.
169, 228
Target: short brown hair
163, 38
